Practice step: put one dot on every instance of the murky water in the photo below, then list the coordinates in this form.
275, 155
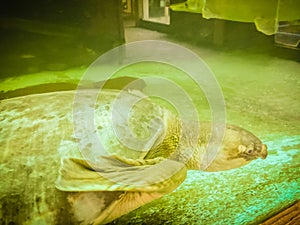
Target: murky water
262, 94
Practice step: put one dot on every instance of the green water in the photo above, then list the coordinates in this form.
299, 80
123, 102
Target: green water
262, 94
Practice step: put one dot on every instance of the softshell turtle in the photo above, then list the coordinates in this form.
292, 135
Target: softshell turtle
53, 176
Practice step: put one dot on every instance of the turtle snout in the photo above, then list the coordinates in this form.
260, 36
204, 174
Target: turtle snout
264, 151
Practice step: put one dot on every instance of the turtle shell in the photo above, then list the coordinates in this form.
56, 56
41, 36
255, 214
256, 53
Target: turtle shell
125, 124
40, 131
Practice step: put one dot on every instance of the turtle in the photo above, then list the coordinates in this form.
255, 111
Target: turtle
54, 173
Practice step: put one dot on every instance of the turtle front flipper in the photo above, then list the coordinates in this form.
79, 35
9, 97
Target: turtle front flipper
133, 185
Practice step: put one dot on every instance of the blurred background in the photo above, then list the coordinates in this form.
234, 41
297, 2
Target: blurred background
56, 35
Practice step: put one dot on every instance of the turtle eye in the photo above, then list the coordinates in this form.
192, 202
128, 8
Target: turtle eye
249, 151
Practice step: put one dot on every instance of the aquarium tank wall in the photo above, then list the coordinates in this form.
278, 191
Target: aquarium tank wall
34, 32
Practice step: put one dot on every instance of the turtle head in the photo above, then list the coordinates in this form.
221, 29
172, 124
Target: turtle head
239, 147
